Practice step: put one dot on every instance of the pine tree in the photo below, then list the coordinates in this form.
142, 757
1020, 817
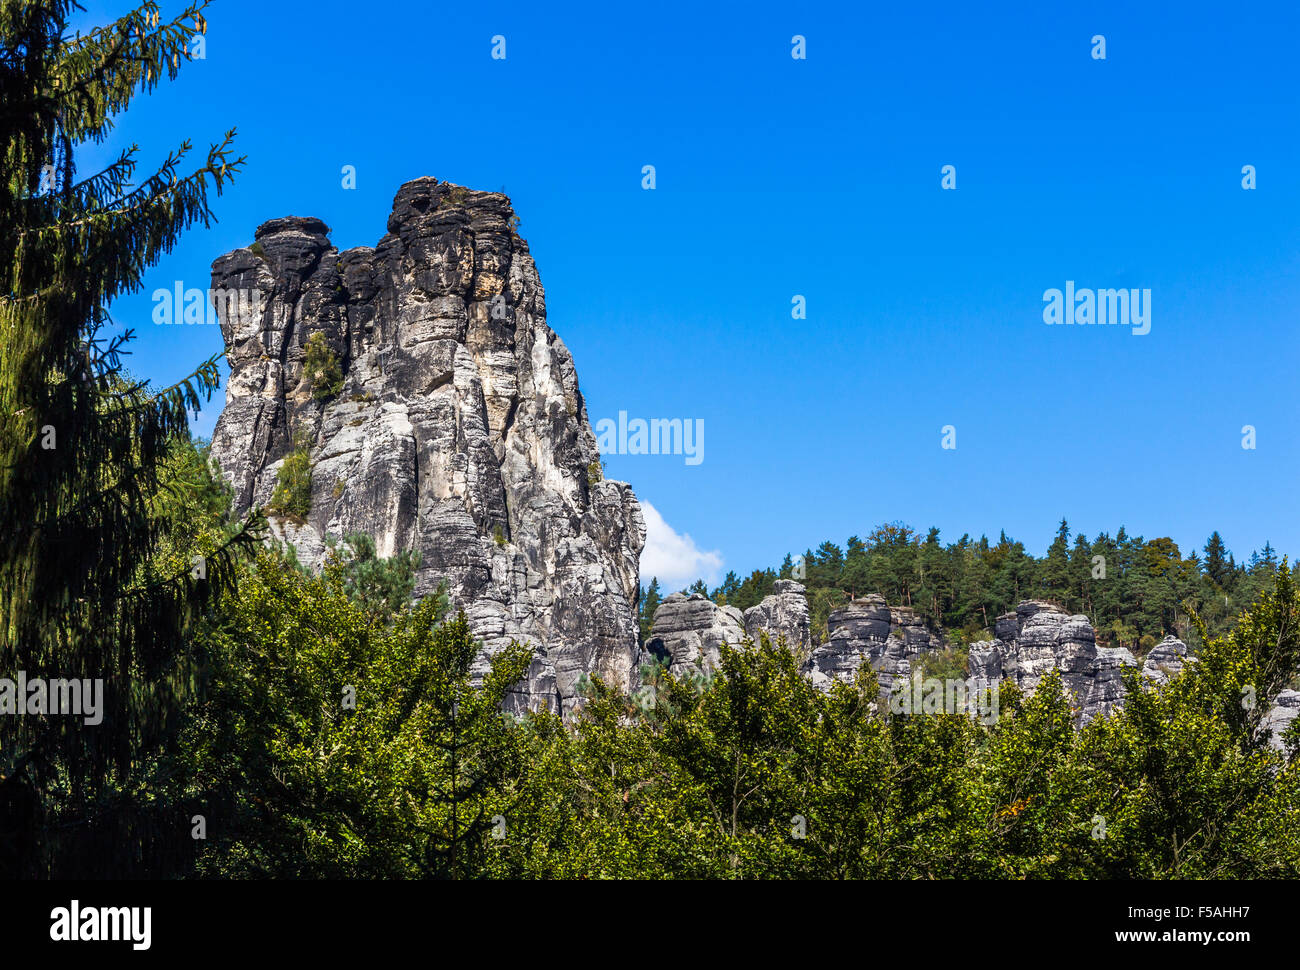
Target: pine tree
1054, 574
82, 445
1216, 560
856, 567
649, 603
725, 593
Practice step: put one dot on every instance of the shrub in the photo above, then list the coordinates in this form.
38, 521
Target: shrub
322, 368
292, 495
946, 664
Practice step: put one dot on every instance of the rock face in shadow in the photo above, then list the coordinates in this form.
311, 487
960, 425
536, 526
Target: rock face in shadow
459, 429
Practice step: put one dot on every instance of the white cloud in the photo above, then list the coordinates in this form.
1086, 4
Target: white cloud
674, 559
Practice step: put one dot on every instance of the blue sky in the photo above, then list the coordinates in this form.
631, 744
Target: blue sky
821, 177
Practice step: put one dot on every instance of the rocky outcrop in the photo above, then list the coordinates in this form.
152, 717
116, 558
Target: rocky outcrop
458, 430
867, 631
1286, 708
1166, 659
1038, 637
858, 633
1047, 639
915, 635
782, 616
689, 630
1105, 688
1034, 639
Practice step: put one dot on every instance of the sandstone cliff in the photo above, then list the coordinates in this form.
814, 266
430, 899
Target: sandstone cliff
458, 430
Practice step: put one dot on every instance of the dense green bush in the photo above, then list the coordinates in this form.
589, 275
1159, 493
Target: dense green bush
321, 368
292, 494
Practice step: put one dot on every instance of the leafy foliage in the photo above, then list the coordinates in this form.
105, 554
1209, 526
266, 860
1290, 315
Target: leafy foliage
321, 368
364, 751
292, 493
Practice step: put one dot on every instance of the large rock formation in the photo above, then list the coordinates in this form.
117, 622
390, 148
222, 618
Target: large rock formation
1166, 659
1105, 688
867, 631
859, 633
1039, 637
690, 630
782, 616
459, 429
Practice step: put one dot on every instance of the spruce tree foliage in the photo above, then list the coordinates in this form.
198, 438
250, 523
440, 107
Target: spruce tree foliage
381, 588
84, 449
1218, 561
750, 592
